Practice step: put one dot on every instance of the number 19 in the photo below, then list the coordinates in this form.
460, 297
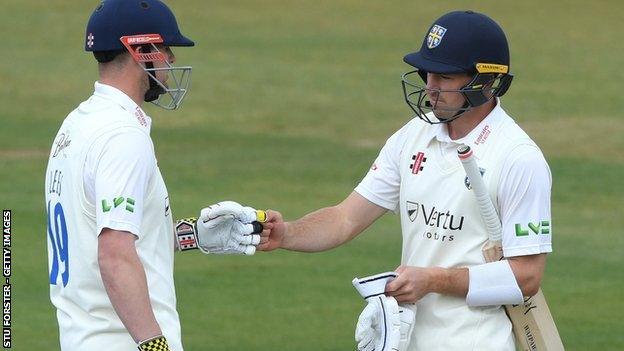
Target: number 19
58, 238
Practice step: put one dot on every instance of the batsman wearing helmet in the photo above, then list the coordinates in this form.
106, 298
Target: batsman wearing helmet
460, 72
111, 237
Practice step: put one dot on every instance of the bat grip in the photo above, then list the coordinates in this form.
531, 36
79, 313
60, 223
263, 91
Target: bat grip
486, 207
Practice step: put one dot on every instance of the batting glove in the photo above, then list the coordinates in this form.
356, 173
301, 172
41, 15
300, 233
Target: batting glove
383, 325
224, 228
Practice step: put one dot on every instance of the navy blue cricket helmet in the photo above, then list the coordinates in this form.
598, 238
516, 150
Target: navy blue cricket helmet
460, 42
113, 19
136, 26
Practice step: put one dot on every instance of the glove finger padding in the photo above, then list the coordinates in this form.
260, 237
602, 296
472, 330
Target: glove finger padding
408, 318
234, 250
249, 239
225, 234
214, 222
248, 249
379, 325
244, 214
364, 330
392, 321
244, 234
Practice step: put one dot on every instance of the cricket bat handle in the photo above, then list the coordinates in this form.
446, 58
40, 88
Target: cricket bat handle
488, 212
533, 325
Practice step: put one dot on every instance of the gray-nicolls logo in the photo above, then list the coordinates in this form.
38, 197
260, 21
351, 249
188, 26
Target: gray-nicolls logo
90, 40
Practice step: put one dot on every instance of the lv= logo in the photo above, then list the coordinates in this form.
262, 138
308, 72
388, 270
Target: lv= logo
117, 202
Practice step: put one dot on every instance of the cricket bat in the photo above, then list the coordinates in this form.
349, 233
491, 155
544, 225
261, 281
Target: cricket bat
533, 325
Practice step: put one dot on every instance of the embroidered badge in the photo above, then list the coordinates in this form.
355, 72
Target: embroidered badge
435, 36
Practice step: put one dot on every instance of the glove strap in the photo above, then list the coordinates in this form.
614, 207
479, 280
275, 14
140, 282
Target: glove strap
158, 343
186, 234
373, 285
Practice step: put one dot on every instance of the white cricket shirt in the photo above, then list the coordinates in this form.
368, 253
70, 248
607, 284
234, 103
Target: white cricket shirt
419, 175
102, 173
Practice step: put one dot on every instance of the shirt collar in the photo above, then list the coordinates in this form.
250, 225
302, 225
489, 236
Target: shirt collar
477, 136
117, 96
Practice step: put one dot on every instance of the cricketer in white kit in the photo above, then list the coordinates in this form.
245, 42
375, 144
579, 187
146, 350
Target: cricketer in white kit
102, 173
455, 295
444, 227
111, 237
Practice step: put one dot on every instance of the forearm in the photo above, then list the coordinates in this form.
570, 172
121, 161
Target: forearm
450, 281
320, 230
528, 271
126, 285
520, 277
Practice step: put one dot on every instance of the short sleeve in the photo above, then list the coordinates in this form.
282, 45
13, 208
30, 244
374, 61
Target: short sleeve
381, 185
121, 174
524, 200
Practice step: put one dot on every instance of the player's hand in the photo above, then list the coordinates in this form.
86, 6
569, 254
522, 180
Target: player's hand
275, 227
412, 284
223, 228
230, 228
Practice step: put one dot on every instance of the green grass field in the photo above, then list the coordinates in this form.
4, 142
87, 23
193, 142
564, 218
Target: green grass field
290, 103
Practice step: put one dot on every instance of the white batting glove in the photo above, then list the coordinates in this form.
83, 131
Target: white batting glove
223, 228
231, 209
379, 325
383, 325
408, 319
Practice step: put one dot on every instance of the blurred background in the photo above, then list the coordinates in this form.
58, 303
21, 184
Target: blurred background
289, 105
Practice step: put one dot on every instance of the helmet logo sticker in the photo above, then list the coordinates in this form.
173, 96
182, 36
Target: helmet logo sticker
90, 38
435, 36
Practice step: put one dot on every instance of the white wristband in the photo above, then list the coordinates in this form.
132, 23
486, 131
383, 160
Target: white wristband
493, 284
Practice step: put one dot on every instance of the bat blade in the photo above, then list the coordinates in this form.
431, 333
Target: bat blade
532, 322
533, 325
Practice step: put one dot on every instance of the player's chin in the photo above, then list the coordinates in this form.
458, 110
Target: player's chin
442, 115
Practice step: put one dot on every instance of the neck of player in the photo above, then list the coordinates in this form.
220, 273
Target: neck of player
129, 78
465, 123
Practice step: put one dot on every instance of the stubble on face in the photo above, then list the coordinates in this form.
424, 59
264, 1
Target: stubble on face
442, 93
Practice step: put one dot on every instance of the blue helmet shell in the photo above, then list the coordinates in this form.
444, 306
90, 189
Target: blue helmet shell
113, 19
458, 41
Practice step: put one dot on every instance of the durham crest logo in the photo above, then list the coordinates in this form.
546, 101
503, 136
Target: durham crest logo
435, 36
